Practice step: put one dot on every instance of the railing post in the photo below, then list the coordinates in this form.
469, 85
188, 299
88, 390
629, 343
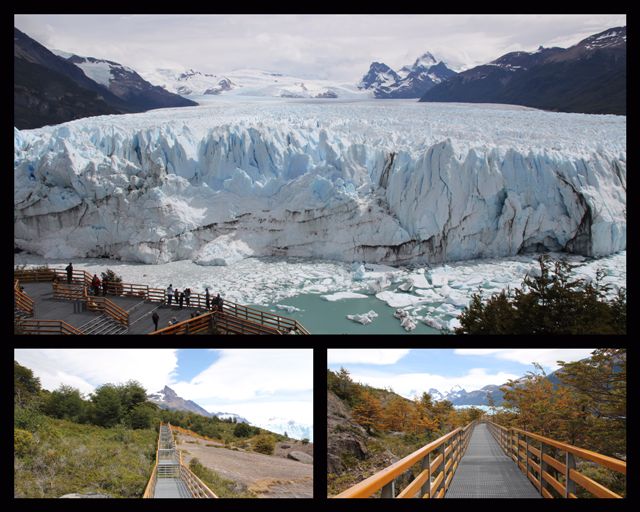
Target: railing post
542, 466
569, 485
389, 490
426, 464
526, 466
444, 466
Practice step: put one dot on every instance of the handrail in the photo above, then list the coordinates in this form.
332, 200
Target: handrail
110, 308
546, 472
21, 300
430, 482
40, 326
194, 325
198, 300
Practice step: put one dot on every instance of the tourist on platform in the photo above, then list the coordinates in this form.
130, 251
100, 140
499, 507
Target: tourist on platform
173, 321
105, 285
181, 299
207, 297
95, 285
155, 317
69, 269
187, 296
176, 296
219, 302
169, 294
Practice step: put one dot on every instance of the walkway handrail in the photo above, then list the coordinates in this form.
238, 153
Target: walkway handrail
196, 486
196, 325
110, 308
430, 483
546, 472
39, 326
198, 300
22, 301
151, 486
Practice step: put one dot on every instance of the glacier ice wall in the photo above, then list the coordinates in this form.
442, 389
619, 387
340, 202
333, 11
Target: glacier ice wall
340, 182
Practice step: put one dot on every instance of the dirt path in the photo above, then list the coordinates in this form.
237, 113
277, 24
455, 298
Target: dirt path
267, 476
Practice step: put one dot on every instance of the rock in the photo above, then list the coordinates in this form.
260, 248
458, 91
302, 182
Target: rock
300, 457
86, 495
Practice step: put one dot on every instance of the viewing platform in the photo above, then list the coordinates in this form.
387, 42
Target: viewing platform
49, 304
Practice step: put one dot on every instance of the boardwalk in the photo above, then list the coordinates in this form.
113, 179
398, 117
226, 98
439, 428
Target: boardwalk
486, 472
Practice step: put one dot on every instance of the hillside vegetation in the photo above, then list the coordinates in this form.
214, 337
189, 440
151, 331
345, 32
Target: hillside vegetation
104, 443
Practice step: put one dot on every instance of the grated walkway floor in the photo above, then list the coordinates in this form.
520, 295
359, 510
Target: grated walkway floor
486, 472
171, 488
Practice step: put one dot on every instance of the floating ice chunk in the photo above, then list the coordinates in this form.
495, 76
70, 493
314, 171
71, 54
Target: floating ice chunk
439, 279
408, 323
453, 324
399, 300
400, 313
407, 286
434, 322
343, 295
419, 281
289, 309
364, 318
359, 273
430, 295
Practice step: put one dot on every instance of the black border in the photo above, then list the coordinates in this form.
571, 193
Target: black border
321, 343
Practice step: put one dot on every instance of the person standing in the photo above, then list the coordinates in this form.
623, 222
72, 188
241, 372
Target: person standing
69, 269
207, 298
176, 296
187, 296
155, 317
105, 284
169, 294
95, 285
181, 299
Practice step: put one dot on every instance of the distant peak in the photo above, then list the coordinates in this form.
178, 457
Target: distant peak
425, 60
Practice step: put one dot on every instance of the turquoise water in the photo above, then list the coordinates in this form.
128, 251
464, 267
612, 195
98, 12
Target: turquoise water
321, 316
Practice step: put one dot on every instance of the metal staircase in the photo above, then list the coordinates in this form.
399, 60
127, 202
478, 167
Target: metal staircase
103, 324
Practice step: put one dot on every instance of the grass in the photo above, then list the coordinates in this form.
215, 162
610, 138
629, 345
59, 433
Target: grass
61, 457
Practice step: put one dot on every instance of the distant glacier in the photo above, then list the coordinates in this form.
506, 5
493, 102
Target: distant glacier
394, 183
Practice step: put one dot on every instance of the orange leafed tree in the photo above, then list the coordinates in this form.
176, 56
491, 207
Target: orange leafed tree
368, 412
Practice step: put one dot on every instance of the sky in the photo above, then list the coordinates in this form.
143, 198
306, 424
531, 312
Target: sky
255, 383
410, 372
335, 47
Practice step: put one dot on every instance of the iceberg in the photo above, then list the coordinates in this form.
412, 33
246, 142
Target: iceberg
394, 184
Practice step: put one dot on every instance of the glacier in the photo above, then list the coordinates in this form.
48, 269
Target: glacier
394, 183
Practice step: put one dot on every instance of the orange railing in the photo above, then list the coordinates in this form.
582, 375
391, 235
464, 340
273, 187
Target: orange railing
113, 310
437, 461
199, 325
537, 457
22, 301
30, 326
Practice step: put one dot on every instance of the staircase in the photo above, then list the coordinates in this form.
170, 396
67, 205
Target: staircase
103, 324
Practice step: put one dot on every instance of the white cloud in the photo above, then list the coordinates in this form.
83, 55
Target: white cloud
243, 374
365, 356
412, 384
547, 357
87, 369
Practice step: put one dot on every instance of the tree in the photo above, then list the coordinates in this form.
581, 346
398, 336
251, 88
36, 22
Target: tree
65, 402
396, 414
368, 412
549, 303
26, 386
131, 394
242, 430
108, 408
142, 416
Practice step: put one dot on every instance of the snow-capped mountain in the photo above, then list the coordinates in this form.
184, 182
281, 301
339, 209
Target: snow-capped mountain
292, 428
248, 82
167, 398
412, 81
226, 181
459, 396
588, 77
126, 84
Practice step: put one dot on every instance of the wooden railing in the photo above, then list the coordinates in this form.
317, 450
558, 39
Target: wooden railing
199, 325
69, 291
437, 461
113, 310
270, 321
30, 326
229, 324
21, 300
538, 458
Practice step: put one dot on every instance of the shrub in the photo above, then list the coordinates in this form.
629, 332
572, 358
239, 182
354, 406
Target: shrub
264, 443
242, 430
23, 442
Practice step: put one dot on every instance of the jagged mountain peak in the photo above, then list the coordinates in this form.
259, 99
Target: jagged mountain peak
425, 60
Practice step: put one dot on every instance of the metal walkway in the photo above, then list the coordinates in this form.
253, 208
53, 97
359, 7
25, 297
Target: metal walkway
171, 488
486, 472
